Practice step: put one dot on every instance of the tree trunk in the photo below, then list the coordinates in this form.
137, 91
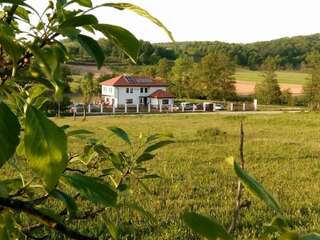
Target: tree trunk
84, 112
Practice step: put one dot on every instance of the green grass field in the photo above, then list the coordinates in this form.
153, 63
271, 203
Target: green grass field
290, 77
282, 151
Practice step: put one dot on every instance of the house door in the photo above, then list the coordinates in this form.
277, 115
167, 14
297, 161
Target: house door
145, 100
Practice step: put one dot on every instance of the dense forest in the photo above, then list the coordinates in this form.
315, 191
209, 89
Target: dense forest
290, 52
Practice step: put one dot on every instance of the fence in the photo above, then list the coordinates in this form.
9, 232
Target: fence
203, 107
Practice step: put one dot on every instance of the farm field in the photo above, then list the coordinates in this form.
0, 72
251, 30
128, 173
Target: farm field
288, 77
282, 151
247, 79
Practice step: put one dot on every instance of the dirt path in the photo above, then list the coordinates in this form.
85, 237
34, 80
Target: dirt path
247, 88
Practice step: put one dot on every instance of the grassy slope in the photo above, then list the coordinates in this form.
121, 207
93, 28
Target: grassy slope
282, 151
283, 76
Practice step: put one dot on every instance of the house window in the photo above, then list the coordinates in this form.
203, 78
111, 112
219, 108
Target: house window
127, 90
110, 90
165, 101
141, 90
129, 101
146, 90
131, 90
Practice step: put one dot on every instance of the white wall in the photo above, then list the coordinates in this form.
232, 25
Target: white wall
120, 95
156, 102
135, 96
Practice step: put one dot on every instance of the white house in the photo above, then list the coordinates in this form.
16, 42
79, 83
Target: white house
131, 90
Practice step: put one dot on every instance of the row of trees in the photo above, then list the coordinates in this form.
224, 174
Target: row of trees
290, 52
213, 78
269, 92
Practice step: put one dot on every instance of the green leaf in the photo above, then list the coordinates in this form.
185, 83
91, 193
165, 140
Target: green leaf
12, 184
45, 147
10, 131
93, 189
84, 3
3, 190
254, 187
205, 226
138, 10
12, 48
289, 236
68, 201
311, 236
121, 134
145, 156
278, 224
107, 171
23, 13
77, 21
92, 48
122, 38
112, 228
150, 176
158, 145
6, 225
78, 132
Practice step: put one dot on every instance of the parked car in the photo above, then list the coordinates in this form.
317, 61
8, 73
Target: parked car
187, 106
219, 106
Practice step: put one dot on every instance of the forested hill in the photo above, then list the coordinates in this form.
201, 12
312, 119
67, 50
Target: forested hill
291, 52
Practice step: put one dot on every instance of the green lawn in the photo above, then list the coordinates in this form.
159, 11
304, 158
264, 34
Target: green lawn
283, 76
282, 151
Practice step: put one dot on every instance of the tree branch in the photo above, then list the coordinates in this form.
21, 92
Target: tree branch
25, 207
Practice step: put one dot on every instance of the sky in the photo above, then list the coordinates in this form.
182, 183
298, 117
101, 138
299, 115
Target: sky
238, 21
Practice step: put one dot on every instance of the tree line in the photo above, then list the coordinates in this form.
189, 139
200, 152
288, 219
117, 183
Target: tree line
291, 52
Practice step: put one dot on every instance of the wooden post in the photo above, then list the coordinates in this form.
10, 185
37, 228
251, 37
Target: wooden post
204, 107
244, 107
160, 107
214, 107
171, 107
149, 107
255, 104
137, 108
193, 107
231, 107
101, 107
125, 108
182, 107
89, 108
113, 108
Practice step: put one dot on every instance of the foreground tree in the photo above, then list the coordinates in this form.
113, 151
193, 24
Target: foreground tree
312, 87
268, 91
216, 72
47, 183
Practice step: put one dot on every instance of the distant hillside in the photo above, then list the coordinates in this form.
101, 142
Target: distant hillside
291, 52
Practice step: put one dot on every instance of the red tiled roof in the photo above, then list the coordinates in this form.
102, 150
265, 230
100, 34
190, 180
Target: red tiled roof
161, 94
130, 81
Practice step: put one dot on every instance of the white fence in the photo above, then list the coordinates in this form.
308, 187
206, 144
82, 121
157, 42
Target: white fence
134, 109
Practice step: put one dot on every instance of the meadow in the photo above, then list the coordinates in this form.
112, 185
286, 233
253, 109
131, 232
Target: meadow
281, 150
289, 77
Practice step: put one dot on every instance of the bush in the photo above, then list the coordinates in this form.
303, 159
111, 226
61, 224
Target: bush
210, 132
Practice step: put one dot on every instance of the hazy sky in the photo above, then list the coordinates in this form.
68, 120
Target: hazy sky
223, 20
